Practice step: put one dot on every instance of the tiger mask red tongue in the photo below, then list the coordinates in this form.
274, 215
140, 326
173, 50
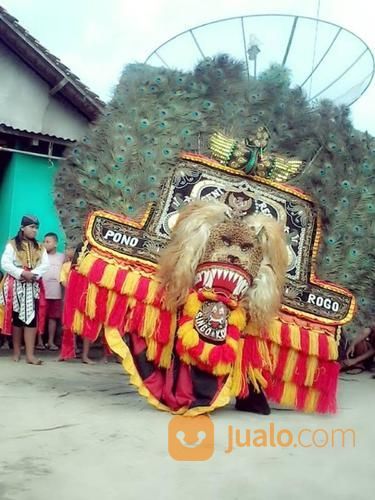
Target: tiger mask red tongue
223, 278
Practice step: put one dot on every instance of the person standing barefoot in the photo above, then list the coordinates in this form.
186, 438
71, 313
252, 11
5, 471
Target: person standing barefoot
53, 288
25, 261
86, 352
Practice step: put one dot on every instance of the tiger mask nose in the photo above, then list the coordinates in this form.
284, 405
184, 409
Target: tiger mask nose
233, 259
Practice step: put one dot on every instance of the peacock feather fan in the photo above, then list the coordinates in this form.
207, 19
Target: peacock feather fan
157, 112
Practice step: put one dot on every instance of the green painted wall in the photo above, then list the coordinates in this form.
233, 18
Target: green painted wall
6, 202
27, 188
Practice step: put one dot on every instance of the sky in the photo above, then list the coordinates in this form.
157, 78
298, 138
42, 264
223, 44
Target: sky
96, 38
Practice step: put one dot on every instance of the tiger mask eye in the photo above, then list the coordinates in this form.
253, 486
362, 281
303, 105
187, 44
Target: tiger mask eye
246, 247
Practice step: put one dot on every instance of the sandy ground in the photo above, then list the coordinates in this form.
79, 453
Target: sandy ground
72, 431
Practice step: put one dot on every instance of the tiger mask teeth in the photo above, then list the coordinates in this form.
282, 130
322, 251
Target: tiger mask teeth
221, 277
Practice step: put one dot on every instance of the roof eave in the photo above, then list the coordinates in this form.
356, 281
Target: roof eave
48, 67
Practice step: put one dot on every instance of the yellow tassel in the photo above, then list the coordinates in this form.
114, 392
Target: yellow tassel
131, 303
77, 326
150, 321
192, 305
153, 288
185, 328
1, 317
86, 264
130, 284
82, 252
253, 378
259, 377
295, 337
109, 277
187, 359
312, 365
274, 354
151, 349
332, 348
207, 348
111, 299
274, 331
166, 355
311, 400
172, 329
290, 365
221, 369
288, 397
237, 377
264, 353
188, 335
90, 307
314, 343
232, 343
237, 318
252, 329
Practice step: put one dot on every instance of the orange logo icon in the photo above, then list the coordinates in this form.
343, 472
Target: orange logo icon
191, 438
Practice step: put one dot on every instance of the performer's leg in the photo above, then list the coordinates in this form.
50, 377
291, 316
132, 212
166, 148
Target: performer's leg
30, 336
85, 352
40, 345
17, 338
255, 402
52, 324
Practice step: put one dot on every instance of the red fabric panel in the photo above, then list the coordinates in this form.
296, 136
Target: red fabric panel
8, 309
101, 304
155, 384
42, 308
75, 282
300, 370
117, 316
323, 347
91, 328
285, 335
68, 345
139, 344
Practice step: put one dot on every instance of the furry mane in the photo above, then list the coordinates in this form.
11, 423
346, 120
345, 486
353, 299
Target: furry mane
264, 297
179, 260
182, 255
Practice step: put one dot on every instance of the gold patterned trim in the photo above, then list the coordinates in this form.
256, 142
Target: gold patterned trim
312, 278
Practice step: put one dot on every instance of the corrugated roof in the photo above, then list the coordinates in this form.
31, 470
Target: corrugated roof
6, 129
59, 77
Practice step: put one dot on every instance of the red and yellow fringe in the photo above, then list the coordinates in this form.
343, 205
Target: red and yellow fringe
243, 358
304, 371
123, 299
193, 350
297, 363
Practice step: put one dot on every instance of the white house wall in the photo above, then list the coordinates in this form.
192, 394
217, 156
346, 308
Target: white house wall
25, 103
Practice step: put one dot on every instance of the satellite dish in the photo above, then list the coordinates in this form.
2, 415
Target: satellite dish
326, 60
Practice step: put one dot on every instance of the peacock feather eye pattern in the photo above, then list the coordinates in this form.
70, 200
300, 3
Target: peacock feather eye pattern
122, 161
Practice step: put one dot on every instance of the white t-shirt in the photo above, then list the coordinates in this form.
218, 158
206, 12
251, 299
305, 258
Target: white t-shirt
51, 278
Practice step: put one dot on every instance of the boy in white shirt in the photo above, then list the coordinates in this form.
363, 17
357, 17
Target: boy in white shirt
53, 289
